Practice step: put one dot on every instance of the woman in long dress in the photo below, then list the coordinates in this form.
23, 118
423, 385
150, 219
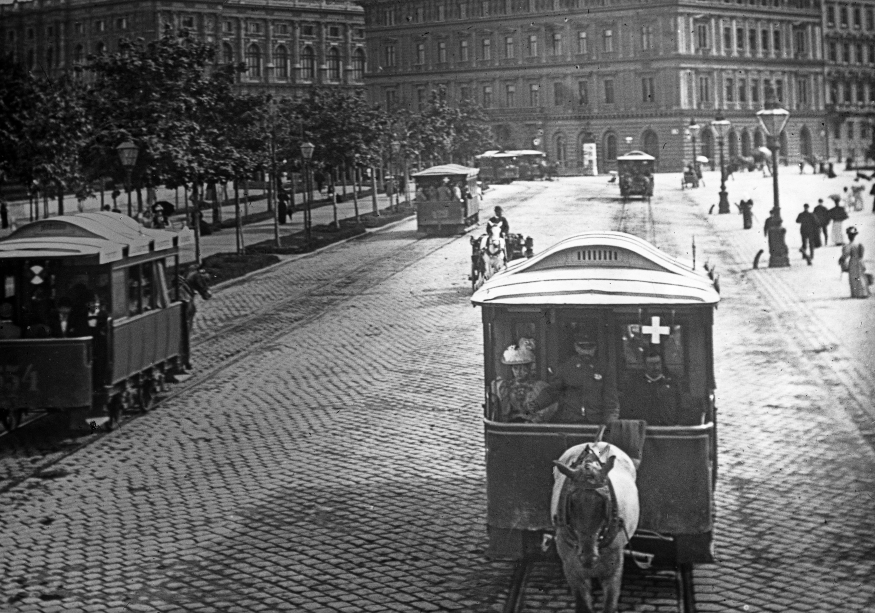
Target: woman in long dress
837, 215
852, 253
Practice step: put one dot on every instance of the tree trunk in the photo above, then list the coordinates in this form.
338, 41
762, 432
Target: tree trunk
196, 222
238, 226
345, 176
245, 198
60, 189
139, 200
291, 208
355, 196
374, 192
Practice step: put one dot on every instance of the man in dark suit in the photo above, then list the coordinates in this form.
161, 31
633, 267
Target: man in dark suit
652, 394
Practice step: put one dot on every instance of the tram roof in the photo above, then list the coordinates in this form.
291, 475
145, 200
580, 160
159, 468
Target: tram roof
598, 268
448, 169
636, 155
109, 236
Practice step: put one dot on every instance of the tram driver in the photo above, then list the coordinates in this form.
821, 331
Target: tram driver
523, 398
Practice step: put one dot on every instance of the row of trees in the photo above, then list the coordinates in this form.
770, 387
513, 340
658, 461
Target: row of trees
193, 127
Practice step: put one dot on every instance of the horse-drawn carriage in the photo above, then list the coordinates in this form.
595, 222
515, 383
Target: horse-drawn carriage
447, 200
517, 246
632, 301
689, 178
92, 324
635, 170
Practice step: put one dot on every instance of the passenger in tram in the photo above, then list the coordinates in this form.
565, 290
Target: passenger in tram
8, 329
444, 192
523, 399
587, 393
420, 196
652, 394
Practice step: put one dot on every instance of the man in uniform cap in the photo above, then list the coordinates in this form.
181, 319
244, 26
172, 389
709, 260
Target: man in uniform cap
652, 394
587, 393
500, 220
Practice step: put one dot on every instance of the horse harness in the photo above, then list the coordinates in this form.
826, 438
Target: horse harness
610, 527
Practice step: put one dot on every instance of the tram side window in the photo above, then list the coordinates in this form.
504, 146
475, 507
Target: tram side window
120, 293
516, 385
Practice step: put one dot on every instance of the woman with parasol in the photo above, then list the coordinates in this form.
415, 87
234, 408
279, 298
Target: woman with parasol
837, 215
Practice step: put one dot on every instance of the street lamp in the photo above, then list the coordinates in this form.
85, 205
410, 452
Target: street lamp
773, 119
396, 150
721, 126
307, 154
127, 153
628, 140
694, 132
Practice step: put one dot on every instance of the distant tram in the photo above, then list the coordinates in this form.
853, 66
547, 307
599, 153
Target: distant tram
633, 301
91, 323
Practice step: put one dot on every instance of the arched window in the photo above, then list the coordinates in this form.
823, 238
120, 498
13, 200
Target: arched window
308, 64
99, 48
334, 64
745, 144
805, 141
757, 139
785, 148
227, 53
253, 61
561, 154
78, 54
610, 147
651, 143
281, 59
358, 65
732, 144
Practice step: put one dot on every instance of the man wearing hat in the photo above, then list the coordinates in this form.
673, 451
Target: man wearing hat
500, 220
444, 193
524, 398
587, 393
652, 394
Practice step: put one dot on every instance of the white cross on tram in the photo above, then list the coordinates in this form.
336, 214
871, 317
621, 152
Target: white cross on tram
655, 330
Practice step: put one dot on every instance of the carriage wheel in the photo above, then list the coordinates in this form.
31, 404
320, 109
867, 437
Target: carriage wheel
146, 396
115, 413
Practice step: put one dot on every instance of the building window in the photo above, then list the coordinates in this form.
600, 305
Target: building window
850, 130
334, 31
858, 53
188, 22
99, 48
121, 23
843, 16
282, 28
872, 53
830, 15
558, 93
608, 41
227, 27
30, 34
442, 52
799, 43
609, 91
419, 14
442, 12
464, 93
739, 40
486, 49
463, 50
833, 52
508, 46
754, 91
391, 98
742, 90
420, 98
281, 59
846, 53
752, 41
582, 93
702, 41
390, 56
870, 19
647, 37
647, 94
556, 43
730, 90
307, 30
802, 92
704, 89
77, 27
78, 54
533, 45
227, 53
861, 93
582, 46
253, 61
611, 147
848, 93
308, 63
420, 54
727, 39
463, 11
487, 96
776, 42
358, 65
764, 39
334, 64
484, 8
99, 26
510, 95
534, 94
358, 32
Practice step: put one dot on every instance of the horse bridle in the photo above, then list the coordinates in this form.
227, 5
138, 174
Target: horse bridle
613, 523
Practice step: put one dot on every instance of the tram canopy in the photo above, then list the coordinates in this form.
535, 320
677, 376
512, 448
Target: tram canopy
636, 156
456, 170
109, 236
598, 268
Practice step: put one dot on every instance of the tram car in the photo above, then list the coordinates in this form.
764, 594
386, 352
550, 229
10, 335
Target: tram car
90, 324
438, 211
630, 302
498, 167
532, 164
635, 170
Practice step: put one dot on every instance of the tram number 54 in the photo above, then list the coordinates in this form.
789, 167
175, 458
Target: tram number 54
13, 383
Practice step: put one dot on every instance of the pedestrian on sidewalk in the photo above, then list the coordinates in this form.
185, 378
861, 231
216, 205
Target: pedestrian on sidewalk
810, 233
821, 214
838, 215
857, 194
852, 263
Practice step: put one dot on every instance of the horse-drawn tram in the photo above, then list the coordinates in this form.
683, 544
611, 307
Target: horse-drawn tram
89, 324
600, 422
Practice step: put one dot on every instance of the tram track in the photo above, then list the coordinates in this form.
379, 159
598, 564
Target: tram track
40, 442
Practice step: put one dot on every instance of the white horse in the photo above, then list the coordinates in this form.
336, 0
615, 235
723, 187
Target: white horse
595, 512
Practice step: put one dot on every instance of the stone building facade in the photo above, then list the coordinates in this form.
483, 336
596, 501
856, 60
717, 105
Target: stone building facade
287, 45
623, 74
849, 43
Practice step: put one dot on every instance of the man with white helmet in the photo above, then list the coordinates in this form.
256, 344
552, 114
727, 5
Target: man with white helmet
522, 399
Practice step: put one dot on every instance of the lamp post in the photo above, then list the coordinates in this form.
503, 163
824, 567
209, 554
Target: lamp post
307, 154
396, 150
694, 132
721, 126
773, 120
127, 153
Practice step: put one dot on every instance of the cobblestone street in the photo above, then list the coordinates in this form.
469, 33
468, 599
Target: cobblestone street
333, 458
